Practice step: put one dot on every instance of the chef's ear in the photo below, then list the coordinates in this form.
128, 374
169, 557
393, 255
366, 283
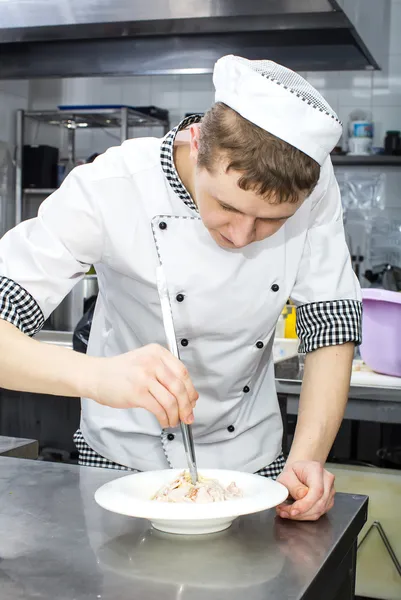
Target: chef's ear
194, 131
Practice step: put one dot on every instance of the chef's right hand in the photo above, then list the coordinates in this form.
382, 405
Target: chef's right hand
151, 378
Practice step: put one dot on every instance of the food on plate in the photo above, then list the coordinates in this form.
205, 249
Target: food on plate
204, 491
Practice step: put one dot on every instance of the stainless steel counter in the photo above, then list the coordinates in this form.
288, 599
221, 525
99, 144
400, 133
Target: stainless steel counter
377, 404
18, 447
55, 542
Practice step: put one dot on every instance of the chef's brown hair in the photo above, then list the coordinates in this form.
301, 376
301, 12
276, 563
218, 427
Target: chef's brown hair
270, 167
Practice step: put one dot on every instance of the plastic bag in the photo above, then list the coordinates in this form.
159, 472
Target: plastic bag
80, 337
362, 193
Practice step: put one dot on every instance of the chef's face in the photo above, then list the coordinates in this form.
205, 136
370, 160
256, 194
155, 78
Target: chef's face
235, 217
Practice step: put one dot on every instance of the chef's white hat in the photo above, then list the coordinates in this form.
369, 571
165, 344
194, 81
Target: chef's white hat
279, 101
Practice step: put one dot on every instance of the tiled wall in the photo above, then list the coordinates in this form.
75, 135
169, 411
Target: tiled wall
13, 95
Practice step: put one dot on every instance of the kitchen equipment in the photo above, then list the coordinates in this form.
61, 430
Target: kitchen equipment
131, 496
66, 316
381, 345
392, 143
89, 111
186, 430
155, 37
40, 167
71, 122
386, 276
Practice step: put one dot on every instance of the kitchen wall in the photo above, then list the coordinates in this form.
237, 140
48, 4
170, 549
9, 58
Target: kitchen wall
13, 95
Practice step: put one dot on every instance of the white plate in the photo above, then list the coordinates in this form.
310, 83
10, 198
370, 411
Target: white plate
132, 495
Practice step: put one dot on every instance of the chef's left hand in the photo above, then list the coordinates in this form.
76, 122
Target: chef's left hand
312, 489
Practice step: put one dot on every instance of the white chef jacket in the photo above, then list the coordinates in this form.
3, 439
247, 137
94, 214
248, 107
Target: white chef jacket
128, 212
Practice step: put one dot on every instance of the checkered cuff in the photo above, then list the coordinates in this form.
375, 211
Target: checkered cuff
19, 308
329, 324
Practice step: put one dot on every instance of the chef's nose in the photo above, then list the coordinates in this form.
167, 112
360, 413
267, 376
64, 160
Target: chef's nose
243, 232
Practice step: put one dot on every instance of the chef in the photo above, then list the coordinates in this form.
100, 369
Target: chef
242, 210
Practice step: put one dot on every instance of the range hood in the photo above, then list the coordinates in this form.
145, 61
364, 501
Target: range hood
72, 38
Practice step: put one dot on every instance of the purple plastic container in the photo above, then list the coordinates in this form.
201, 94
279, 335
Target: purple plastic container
381, 331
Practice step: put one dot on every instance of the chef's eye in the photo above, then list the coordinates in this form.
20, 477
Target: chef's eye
229, 208
277, 221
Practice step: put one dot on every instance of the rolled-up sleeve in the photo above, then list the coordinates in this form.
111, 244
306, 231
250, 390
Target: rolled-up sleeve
43, 258
327, 292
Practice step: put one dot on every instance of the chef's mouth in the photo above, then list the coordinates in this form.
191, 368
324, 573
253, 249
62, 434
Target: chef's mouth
225, 239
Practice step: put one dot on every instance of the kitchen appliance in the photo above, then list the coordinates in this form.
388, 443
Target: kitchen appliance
381, 326
149, 37
75, 304
40, 167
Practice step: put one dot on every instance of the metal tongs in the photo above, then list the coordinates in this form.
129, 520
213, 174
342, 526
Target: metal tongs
168, 323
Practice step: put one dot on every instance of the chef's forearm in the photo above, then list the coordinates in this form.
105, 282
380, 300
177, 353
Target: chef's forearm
27, 365
322, 403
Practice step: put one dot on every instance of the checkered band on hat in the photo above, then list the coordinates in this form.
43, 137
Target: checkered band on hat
292, 82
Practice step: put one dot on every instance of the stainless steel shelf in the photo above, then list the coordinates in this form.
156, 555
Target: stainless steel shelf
374, 160
39, 191
79, 118
97, 118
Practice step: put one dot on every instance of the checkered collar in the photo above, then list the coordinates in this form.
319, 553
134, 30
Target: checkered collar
167, 161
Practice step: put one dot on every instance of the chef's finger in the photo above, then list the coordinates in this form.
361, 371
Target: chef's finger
330, 504
152, 405
315, 482
321, 507
179, 370
166, 400
295, 487
309, 516
176, 387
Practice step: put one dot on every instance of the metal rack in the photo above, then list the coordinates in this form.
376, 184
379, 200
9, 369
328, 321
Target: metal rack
373, 160
76, 119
